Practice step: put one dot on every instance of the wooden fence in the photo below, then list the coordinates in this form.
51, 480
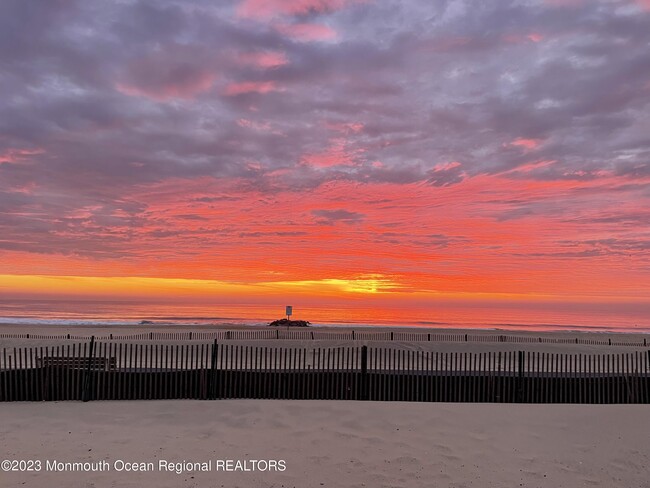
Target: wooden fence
311, 334
116, 371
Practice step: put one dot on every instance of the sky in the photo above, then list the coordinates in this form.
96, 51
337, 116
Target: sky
360, 152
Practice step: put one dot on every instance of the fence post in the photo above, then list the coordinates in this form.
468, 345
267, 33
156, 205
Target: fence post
85, 395
520, 378
643, 372
213, 370
364, 372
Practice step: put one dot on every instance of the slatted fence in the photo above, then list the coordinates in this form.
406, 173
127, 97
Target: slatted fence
136, 371
311, 334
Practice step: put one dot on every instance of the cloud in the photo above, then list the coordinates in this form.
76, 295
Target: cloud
307, 32
243, 87
139, 132
526, 144
331, 217
337, 154
264, 59
14, 155
268, 9
161, 75
444, 174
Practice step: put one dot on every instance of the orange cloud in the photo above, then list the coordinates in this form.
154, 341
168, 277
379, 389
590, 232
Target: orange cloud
413, 245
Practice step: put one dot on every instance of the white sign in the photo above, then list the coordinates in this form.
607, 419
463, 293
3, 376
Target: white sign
289, 311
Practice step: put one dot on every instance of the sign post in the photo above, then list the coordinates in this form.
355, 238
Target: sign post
289, 312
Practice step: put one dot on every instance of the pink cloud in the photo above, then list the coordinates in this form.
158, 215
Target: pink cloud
186, 90
335, 155
266, 59
327, 159
526, 144
259, 126
172, 72
517, 38
345, 127
18, 155
27, 189
525, 168
268, 9
307, 32
444, 44
251, 124
645, 4
446, 166
565, 3
250, 87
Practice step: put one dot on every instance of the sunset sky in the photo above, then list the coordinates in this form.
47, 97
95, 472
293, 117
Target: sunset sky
360, 152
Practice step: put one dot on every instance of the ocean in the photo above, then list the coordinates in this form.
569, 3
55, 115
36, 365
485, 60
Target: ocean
594, 318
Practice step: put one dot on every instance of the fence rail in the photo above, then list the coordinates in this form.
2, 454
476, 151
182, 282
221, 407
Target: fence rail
284, 334
131, 371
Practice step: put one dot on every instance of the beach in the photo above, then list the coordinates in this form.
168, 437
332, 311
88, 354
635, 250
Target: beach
415, 337
344, 443
332, 443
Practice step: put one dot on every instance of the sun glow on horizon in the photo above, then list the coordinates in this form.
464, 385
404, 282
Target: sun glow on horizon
368, 287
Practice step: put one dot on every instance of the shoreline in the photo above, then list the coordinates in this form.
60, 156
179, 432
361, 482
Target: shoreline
526, 330
343, 326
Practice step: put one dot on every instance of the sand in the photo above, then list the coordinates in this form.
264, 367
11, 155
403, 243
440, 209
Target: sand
333, 444
441, 346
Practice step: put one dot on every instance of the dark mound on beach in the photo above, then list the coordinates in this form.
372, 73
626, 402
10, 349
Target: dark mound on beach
289, 323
